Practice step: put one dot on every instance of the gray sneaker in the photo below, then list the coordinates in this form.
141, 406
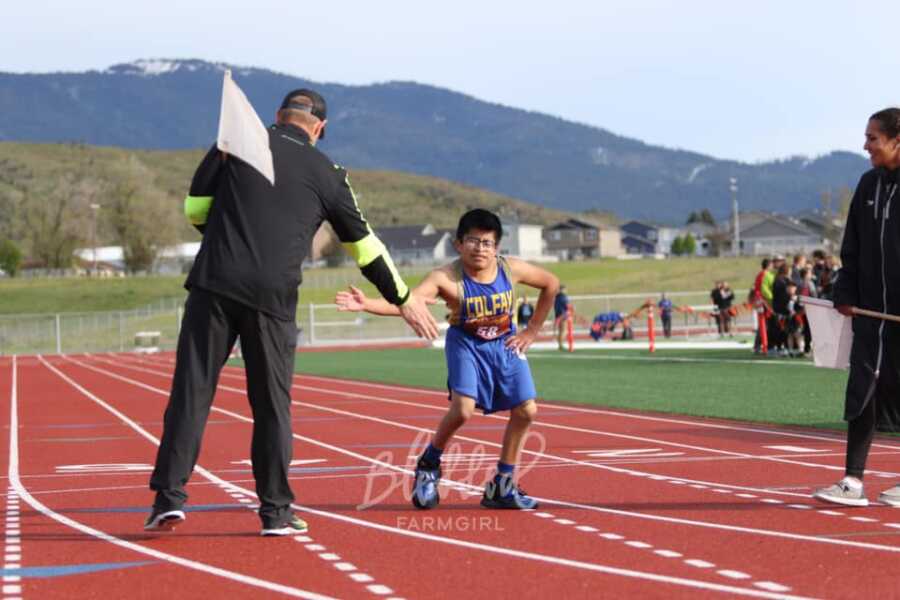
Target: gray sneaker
842, 493
891, 496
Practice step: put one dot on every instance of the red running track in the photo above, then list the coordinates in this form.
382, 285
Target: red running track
633, 504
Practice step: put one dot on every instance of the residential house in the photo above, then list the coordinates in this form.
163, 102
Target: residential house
573, 240
764, 234
522, 240
417, 244
639, 237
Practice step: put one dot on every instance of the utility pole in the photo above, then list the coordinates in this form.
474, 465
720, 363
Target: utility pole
94, 208
736, 238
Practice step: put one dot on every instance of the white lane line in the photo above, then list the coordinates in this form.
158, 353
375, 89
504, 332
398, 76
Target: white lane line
700, 564
864, 519
361, 577
564, 521
659, 518
420, 535
668, 553
733, 574
369, 396
587, 528
170, 558
637, 544
797, 449
840, 440
771, 586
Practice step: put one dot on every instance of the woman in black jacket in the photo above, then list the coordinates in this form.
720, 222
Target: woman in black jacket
870, 278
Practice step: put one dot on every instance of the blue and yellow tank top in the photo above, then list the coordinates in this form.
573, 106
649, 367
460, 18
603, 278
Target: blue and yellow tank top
485, 309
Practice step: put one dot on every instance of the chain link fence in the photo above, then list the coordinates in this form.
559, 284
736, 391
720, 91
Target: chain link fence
156, 326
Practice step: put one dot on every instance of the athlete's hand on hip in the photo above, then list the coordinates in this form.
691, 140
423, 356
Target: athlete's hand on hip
352, 301
522, 340
415, 312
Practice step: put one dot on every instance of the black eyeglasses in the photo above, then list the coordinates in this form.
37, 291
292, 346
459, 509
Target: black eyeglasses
475, 242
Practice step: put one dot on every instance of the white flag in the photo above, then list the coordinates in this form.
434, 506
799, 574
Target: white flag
832, 333
241, 132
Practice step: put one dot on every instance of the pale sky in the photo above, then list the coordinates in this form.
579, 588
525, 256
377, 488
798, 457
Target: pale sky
744, 80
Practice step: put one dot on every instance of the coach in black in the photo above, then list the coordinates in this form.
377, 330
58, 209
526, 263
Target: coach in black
244, 284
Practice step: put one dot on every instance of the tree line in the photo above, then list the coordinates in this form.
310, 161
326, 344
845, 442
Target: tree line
46, 216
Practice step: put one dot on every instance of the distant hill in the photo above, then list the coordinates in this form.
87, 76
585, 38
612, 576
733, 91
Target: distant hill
386, 198
400, 126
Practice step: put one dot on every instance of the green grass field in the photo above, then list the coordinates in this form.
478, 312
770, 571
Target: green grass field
730, 384
605, 276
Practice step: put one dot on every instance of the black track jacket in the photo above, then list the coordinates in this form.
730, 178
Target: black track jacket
256, 235
870, 278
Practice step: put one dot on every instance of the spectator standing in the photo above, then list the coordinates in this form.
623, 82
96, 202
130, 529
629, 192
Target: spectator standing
665, 314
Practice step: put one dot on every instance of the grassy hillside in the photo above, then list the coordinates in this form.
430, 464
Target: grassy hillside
387, 198
589, 277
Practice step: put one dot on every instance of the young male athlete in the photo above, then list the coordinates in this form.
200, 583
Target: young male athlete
486, 365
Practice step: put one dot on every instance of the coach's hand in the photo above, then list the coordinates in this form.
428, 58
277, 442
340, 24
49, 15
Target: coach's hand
522, 340
415, 312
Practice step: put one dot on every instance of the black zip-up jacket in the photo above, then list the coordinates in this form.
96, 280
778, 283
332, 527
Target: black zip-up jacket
870, 278
257, 235
870, 254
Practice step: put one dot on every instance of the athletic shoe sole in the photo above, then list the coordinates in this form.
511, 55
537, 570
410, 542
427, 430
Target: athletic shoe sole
505, 505
842, 501
286, 530
165, 521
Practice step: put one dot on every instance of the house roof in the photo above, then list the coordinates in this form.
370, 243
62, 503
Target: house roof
411, 237
573, 224
774, 226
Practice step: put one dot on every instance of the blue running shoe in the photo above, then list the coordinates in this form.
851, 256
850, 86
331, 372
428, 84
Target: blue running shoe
502, 492
425, 493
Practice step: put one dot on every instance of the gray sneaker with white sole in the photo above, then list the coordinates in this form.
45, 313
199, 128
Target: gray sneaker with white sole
843, 493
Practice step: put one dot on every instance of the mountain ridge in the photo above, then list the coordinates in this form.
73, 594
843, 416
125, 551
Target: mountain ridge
421, 129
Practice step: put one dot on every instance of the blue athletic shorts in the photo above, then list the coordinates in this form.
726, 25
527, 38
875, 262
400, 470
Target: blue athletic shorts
496, 377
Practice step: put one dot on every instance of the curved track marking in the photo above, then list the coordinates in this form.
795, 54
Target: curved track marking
704, 524
599, 568
163, 556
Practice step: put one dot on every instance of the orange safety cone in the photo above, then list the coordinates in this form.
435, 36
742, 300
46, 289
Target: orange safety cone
651, 333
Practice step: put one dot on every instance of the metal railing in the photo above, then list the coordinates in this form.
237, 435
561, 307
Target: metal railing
319, 324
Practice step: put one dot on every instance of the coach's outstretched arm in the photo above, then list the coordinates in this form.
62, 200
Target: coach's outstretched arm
374, 260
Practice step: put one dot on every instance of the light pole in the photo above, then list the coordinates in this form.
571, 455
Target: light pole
736, 239
94, 209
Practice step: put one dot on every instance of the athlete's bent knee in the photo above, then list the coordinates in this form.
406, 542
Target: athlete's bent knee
526, 412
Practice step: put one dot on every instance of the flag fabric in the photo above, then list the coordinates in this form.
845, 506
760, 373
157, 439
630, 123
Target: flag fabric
832, 334
241, 132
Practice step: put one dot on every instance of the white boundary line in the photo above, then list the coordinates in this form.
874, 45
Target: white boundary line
448, 540
705, 524
177, 560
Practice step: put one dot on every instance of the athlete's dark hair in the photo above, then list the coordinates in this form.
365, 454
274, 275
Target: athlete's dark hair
478, 218
889, 120
765, 263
